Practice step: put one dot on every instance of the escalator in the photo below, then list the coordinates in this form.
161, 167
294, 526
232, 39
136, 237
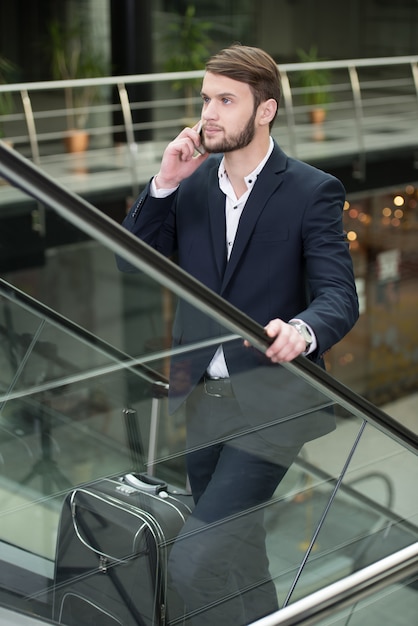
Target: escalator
85, 353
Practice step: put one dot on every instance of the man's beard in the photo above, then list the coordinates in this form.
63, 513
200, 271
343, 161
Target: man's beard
230, 144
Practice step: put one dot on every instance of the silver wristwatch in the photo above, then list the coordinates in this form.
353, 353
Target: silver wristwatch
303, 331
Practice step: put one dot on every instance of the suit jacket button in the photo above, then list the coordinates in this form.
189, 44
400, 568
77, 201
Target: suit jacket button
136, 209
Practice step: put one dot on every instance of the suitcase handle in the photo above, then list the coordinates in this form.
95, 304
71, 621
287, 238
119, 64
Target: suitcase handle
146, 483
104, 558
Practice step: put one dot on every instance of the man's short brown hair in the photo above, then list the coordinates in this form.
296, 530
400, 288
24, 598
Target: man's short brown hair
252, 66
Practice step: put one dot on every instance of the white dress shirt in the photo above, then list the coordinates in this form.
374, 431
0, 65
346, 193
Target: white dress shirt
233, 210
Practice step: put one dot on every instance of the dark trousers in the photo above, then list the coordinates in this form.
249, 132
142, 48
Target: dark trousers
218, 564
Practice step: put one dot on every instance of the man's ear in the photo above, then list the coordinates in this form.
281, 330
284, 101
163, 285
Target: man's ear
267, 111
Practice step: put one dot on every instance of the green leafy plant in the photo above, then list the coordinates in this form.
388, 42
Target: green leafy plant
314, 81
7, 70
73, 56
188, 48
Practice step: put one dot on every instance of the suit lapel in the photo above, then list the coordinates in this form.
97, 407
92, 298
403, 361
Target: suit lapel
267, 183
217, 224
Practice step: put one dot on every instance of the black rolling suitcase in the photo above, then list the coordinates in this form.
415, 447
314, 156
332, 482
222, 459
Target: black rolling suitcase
111, 562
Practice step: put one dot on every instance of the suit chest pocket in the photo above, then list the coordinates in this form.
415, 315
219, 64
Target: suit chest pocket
270, 236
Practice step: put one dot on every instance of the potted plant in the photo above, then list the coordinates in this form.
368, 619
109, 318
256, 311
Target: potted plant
73, 56
7, 68
187, 42
315, 82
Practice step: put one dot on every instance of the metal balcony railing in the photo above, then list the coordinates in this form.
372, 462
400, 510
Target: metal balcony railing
371, 105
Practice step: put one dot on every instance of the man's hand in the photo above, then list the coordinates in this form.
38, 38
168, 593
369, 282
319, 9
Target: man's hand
179, 160
287, 344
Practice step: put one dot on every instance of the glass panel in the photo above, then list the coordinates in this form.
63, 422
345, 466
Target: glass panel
84, 411
370, 515
397, 604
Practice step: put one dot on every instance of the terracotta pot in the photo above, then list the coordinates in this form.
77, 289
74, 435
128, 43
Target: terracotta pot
76, 141
317, 116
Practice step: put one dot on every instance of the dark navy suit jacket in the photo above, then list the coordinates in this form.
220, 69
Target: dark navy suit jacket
290, 259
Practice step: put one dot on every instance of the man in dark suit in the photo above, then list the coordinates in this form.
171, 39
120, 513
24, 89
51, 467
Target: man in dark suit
265, 232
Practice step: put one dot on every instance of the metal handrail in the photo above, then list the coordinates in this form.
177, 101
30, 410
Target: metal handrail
348, 591
130, 79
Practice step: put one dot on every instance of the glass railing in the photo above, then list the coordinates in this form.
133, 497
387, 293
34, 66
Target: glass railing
368, 596
86, 353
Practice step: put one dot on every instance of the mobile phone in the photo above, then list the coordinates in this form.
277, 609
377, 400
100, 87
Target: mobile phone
200, 148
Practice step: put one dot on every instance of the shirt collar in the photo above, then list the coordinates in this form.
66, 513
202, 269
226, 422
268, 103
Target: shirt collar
252, 176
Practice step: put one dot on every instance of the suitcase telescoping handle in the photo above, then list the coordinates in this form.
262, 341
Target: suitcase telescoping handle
146, 483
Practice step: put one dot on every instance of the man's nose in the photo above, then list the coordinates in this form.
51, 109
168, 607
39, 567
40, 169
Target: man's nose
210, 111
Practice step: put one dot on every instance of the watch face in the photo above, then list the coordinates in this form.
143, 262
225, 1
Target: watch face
304, 331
